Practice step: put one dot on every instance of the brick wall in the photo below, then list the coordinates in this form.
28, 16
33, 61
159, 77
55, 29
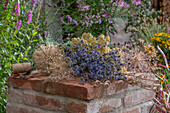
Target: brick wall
34, 95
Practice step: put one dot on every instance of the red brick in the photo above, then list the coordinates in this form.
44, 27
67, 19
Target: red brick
28, 84
116, 86
138, 97
73, 107
14, 96
13, 109
136, 110
43, 102
109, 105
74, 89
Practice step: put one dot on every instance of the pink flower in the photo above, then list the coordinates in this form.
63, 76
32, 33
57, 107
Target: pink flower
5, 6
85, 8
45, 34
114, 33
86, 17
100, 21
168, 30
61, 19
68, 4
75, 22
34, 2
138, 2
19, 24
79, 6
106, 15
13, 10
17, 11
29, 17
69, 18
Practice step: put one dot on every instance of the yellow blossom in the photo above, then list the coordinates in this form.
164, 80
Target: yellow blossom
163, 42
107, 38
101, 36
84, 35
158, 39
168, 43
153, 39
160, 45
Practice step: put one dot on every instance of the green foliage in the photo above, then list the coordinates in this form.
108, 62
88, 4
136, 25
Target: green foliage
17, 44
161, 100
89, 16
149, 28
139, 15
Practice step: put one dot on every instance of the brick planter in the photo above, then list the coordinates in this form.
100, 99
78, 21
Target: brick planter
34, 95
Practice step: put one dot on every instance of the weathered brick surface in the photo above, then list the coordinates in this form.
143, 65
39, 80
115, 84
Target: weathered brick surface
43, 102
138, 97
136, 110
110, 105
29, 84
146, 109
14, 96
86, 98
115, 87
73, 107
74, 89
13, 109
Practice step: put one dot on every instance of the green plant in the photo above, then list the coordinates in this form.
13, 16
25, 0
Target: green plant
162, 39
92, 16
161, 101
140, 14
148, 28
18, 37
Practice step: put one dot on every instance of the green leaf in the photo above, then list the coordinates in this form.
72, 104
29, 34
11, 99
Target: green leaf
34, 41
34, 33
25, 59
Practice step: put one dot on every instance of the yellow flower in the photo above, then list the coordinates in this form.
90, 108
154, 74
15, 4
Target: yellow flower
167, 42
101, 36
165, 46
169, 48
158, 39
160, 45
162, 77
163, 42
84, 35
162, 34
73, 41
85, 41
123, 69
107, 38
157, 34
153, 39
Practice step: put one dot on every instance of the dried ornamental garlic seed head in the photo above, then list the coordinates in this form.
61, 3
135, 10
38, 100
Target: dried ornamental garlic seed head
141, 59
51, 61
